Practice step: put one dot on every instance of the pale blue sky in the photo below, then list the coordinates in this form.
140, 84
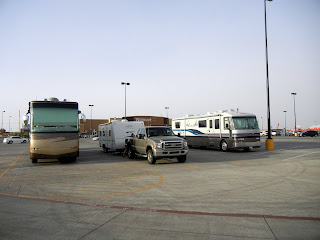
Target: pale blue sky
191, 56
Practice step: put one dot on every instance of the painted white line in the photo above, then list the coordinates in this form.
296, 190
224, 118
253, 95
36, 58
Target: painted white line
299, 156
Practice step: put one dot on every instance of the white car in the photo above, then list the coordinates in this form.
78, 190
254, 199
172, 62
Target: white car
15, 139
266, 133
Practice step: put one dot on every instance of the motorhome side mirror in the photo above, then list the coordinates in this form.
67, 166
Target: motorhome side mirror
179, 135
82, 117
227, 126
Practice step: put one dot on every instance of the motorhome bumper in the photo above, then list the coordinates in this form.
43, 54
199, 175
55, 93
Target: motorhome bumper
247, 144
53, 156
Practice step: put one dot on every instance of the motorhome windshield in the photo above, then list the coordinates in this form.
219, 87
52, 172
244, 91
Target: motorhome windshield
245, 123
159, 132
46, 119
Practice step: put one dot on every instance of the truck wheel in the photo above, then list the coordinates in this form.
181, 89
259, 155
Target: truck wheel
24, 141
34, 160
224, 146
151, 158
131, 153
182, 159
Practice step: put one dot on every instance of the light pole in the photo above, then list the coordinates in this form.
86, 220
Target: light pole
294, 109
2, 120
90, 105
261, 123
285, 123
125, 98
167, 108
269, 141
9, 123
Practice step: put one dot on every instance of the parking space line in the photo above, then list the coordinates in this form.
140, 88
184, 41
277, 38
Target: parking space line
234, 215
241, 163
192, 167
12, 164
298, 156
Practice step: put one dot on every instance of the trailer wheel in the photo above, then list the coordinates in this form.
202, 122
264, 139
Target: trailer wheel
105, 150
34, 160
151, 158
224, 146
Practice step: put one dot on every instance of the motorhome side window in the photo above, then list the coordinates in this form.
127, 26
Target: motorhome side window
226, 123
177, 124
217, 124
109, 132
104, 133
203, 123
100, 133
210, 123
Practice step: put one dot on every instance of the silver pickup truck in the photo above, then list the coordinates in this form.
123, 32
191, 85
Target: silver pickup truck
157, 142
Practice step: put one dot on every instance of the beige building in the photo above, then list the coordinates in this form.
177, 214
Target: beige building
93, 124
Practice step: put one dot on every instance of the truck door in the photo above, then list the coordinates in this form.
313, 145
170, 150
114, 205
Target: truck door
140, 141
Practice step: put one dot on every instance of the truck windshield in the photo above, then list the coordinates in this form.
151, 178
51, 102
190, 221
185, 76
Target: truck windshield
54, 120
159, 132
245, 123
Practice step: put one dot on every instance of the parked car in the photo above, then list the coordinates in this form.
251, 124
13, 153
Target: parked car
15, 139
310, 133
266, 133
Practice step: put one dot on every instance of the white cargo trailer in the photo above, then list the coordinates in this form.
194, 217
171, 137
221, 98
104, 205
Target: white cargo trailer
112, 135
222, 130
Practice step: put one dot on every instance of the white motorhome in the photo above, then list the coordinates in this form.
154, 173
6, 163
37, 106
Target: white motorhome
112, 135
223, 130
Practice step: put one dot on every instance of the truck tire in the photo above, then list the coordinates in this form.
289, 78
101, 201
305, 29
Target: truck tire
131, 153
150, 156
182, 159
224, 146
